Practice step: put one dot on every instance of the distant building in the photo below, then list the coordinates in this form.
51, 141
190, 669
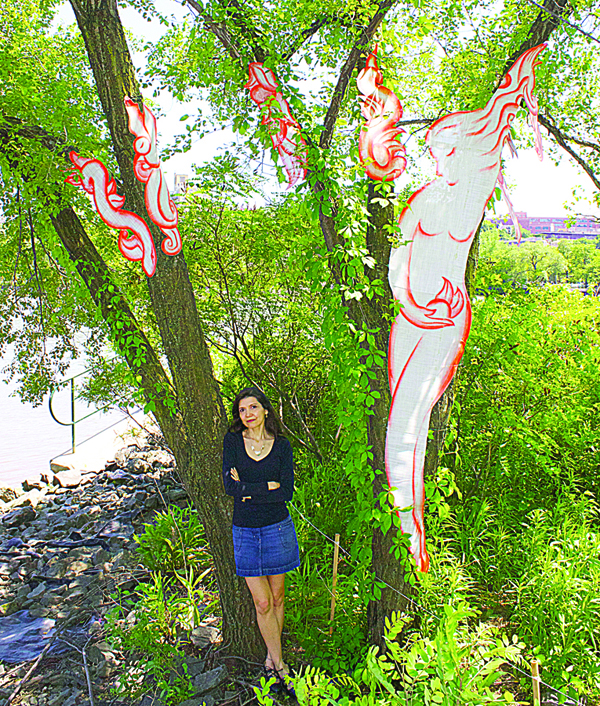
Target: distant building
180, 187
551, 228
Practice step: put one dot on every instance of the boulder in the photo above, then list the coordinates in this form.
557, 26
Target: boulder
203, 683
37, 592
203, 635
123, 454
207, 700
32, 497
31, 484
19, 517
7, 494
69, 478
138, 465
59, 467
195, 667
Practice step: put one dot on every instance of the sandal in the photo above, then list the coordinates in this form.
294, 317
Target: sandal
271, 673
286, 683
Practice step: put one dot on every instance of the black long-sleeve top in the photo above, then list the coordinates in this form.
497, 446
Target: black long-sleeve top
265, 507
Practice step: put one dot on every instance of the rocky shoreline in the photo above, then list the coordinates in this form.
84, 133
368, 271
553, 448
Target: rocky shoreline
66, 543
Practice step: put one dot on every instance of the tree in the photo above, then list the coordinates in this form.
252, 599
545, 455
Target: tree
355, 217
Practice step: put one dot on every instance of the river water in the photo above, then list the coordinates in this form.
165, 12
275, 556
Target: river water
30, 438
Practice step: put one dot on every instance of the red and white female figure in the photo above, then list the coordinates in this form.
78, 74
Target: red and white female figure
427, 277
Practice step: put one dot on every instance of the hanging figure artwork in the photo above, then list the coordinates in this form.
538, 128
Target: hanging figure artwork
283, 127
160, 206
381, 153
135, 240
427, 277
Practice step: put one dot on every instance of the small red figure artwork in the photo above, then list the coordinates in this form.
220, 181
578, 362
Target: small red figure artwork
160, 206
135, 240
381, 153
282, 126
427, 277
93, 177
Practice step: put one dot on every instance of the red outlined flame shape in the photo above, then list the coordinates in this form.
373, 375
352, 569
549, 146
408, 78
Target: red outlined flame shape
381, 154
283, 128
160, 206
427, 277
93, 177
447, 304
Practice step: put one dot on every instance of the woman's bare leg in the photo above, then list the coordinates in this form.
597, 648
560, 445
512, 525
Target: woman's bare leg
277, 584
266, 617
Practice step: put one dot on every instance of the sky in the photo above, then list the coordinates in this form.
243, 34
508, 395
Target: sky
538, 188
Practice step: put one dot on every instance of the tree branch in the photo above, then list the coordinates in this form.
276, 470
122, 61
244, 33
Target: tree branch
219, 29
544, 24
305, 35
360, 46
15, 126
563, 139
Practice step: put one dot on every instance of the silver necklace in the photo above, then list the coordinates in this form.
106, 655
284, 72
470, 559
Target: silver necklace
259, 451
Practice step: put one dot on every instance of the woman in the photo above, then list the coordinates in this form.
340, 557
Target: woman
258, 472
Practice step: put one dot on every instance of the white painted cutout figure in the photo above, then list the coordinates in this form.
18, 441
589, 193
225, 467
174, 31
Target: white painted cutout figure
427, 277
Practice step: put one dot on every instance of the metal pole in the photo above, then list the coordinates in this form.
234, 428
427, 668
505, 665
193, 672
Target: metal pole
72, 415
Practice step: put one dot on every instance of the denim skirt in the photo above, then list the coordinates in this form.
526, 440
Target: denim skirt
266, 551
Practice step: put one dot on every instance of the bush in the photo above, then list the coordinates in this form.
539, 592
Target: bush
143, 627
558, 593
459, 665
174, 541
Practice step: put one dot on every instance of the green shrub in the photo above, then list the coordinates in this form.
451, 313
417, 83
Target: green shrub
143, 627
558, 593
174, 541
458, 665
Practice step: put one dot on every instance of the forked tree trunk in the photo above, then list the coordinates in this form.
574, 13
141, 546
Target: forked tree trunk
196, 439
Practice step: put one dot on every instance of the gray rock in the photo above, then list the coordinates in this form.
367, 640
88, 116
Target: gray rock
118, 477
23, 592
160, 459
31, 484
151, 701
32, 497
56, 467
79, 519
207, 700
57, 570
78, 566
37, 592
178, 494
67, 479
100, 557
81, 582
19, 517
138, 465
203, 635
195, 667
123, 454
152, 502
7, 494
208, 681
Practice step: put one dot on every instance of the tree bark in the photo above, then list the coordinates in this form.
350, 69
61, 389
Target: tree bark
196, 442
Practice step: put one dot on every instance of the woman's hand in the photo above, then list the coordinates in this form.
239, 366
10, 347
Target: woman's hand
234, 475
273, 485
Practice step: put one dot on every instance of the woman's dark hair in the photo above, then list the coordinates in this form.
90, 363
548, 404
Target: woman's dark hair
271, 423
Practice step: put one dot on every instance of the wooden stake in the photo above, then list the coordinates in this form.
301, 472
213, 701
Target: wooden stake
336, 556
535, 676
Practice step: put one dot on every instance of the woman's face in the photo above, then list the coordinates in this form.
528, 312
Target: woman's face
252, 413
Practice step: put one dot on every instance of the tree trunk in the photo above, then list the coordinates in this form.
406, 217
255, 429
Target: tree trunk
196, 442
377, 312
